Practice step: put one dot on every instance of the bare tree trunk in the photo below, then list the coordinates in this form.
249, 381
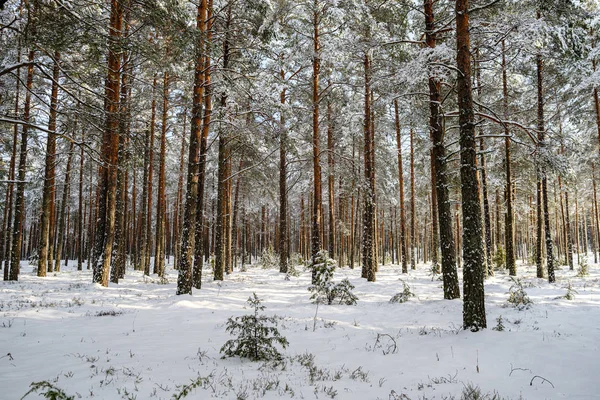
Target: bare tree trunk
8, 203
509, 226
148, 239
402, 237
179, 203
17, 231
110, 146
283, 199
331, 182
81, 211
46, 223
474, 317
369, 225
316, 239
188, 238
161, 203
436, 130
542, 168
63, 212
484, 187
221, 226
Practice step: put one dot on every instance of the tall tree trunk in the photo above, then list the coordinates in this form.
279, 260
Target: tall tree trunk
8, 204
110, 147
161, 203
509, 226
473, 253
484, 186
120, 257
179, 202
331, 182
436, 130
317, 191
148, 239
46, 223
413, 203
17, 231
369, 224
62, 232
221, 226
402, 237
543, 177
188, 238
80, 209
201, 248
435, 231
283, 199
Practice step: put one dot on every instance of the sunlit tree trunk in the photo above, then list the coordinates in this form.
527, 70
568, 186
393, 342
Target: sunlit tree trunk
474, 317
110, 146
46, 222
62, 229
449, 273
188, 238
402, 236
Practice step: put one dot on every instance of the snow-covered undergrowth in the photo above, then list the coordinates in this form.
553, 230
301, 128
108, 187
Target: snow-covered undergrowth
138, 340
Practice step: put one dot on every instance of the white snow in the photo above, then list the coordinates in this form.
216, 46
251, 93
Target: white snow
158, 341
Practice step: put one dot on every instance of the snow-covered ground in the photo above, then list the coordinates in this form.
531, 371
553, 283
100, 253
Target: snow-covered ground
138, 340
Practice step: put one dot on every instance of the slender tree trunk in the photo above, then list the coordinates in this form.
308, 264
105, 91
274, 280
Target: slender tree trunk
449, 273
17, 231
5, 251
179, 203
221, 226
483, 173
161, 203
317, 191
369, 224
509, 226
542, 168
80, 209
62, 232
148, 239
46, 223
434, 221
188, 238
283, 200
402, 237
474, 317
331, 182
110, 146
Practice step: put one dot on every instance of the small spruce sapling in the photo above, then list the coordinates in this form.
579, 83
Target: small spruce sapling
500, 324
404, 295
324, 291
583, 268
517, 296
257, 335
570, 295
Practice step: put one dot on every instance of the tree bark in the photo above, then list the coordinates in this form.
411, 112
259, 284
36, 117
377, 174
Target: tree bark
110, 147
369, 225
509, 226
317, 191
474, 317
17, 231
283, 200
46, 223
402, 238
436, 130
62, 232
188, 238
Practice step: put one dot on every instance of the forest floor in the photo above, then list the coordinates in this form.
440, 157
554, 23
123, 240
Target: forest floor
138, 340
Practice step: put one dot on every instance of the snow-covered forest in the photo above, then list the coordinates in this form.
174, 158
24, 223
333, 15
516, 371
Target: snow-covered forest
352, 199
